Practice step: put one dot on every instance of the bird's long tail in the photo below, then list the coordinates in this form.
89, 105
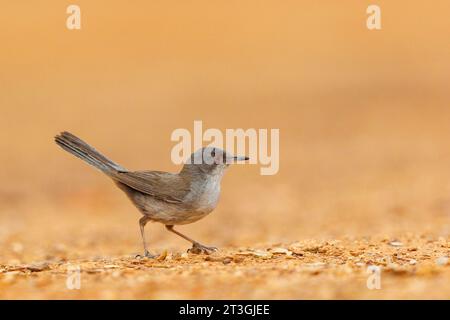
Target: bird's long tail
85, 152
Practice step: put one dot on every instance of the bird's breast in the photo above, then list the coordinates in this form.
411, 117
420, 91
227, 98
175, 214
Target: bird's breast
204, 196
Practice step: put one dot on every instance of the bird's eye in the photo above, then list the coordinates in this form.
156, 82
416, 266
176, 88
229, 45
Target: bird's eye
213, 152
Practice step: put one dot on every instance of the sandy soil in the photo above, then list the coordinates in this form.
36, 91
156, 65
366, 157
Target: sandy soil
364, 174
335, 269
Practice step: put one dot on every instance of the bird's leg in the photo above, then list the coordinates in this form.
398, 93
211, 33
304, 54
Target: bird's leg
196, 247
142, 222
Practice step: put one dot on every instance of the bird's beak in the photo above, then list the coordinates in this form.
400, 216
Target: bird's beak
240, 158
234, 159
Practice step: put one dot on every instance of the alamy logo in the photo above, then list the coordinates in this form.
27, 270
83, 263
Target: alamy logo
73, 21
374, 20
73, 280
251, 142
374, 279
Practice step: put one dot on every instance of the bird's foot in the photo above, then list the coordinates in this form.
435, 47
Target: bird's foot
198, 248
146, 255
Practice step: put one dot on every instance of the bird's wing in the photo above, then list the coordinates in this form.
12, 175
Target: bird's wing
168, 187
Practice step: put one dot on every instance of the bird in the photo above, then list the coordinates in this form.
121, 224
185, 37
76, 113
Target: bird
169, 198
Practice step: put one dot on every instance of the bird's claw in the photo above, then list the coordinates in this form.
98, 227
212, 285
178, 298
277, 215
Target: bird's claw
146, 255
198, 248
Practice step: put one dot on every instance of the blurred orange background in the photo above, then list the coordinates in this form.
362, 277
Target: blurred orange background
363, 117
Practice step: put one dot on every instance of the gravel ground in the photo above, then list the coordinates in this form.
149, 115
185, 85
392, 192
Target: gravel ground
410, 267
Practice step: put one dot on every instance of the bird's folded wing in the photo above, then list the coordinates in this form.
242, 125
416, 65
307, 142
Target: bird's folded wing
163, 186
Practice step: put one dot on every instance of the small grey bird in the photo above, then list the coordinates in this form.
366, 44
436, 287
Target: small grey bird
168, 198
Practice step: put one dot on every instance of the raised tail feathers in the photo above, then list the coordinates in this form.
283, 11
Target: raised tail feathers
82, 150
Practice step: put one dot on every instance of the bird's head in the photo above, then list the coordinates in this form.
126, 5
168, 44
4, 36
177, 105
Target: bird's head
211, 161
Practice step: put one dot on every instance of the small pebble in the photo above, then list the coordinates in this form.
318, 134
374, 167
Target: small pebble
396, 243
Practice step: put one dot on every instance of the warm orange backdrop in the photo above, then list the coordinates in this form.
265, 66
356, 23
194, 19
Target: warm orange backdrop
363, 116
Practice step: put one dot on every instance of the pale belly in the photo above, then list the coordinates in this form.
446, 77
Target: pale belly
197, 204
174, 213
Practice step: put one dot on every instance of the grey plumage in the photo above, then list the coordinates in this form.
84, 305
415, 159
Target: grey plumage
168, 198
